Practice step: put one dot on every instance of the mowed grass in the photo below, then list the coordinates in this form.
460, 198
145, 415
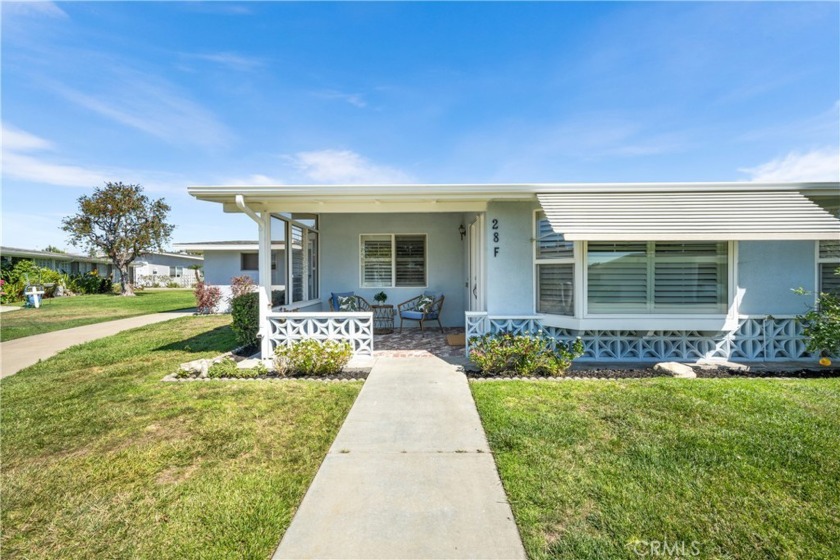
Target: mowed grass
103, 460
728, 469
66, 312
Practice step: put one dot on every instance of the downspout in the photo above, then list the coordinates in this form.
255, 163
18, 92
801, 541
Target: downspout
240, 203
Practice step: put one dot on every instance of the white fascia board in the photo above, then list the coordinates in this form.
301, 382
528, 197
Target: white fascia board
210, 247
477, 191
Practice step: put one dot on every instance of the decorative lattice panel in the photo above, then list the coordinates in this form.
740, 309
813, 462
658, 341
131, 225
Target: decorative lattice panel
755, 339
355, 328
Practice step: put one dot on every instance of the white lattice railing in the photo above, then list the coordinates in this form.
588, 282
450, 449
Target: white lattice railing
356, 328
755, 339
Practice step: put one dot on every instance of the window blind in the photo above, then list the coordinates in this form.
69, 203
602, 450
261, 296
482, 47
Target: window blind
830, 252
618, 277
551, 245
657, 277
555, 288
410, 260
297, 264
689, 275
376, 261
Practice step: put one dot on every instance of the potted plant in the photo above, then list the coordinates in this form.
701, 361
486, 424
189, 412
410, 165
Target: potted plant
381, 298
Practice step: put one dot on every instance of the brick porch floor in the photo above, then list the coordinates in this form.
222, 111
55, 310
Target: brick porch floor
413, 343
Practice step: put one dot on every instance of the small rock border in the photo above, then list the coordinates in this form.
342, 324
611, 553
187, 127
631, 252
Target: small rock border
196, 370
344, 376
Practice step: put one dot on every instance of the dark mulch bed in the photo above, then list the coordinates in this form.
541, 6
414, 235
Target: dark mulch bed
643, 373
595, 373
348, 374
721, 373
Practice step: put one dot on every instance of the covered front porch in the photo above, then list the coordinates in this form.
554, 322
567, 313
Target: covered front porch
403, 243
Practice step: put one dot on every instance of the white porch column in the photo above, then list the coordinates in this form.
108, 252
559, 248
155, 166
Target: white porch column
265, 281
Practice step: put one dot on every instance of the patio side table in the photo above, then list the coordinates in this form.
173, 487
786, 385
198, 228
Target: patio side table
383, 319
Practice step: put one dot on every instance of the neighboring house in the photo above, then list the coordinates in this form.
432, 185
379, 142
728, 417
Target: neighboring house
224, 260
641, 272
161, 269
68, 263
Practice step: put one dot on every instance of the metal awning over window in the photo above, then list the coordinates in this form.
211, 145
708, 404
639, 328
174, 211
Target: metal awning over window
684, 216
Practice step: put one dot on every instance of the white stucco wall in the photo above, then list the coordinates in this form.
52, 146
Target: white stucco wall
769, 270
221, 266
510, 271
445, 260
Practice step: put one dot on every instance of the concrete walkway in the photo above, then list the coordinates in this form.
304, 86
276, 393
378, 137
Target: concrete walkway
21, 353
410, 475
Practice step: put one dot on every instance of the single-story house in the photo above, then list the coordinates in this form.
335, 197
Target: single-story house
224, 260
639, 271
67, 263
161, 269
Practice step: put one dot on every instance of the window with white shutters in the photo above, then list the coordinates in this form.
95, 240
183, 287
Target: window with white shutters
657, 277
555, 270
393, 261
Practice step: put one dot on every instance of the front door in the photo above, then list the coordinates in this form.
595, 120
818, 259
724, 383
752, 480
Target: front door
475, 281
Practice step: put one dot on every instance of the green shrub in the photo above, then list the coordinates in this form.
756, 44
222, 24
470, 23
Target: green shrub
89, 283
526, 355
245, 315
173, 284
821, 325
313, 357
227, 368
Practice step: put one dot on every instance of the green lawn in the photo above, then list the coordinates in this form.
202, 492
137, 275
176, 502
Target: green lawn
65, 312
736, 468
103, 460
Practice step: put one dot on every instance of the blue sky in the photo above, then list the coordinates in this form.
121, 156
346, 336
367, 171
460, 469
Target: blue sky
173, 94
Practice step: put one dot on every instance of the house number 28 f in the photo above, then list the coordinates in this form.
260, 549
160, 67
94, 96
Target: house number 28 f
495, 227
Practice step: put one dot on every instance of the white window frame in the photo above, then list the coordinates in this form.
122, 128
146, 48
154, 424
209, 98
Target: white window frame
288, 222
573, 260
393, 237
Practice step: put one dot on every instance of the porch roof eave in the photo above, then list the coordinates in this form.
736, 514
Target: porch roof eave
450, 197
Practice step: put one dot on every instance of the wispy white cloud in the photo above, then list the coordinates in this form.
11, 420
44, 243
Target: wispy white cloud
254, 179
22, 161
33, 159
354, 99
230, 60
146, 103
17, 140
38, 170
33, 8
345, 167
821, 164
